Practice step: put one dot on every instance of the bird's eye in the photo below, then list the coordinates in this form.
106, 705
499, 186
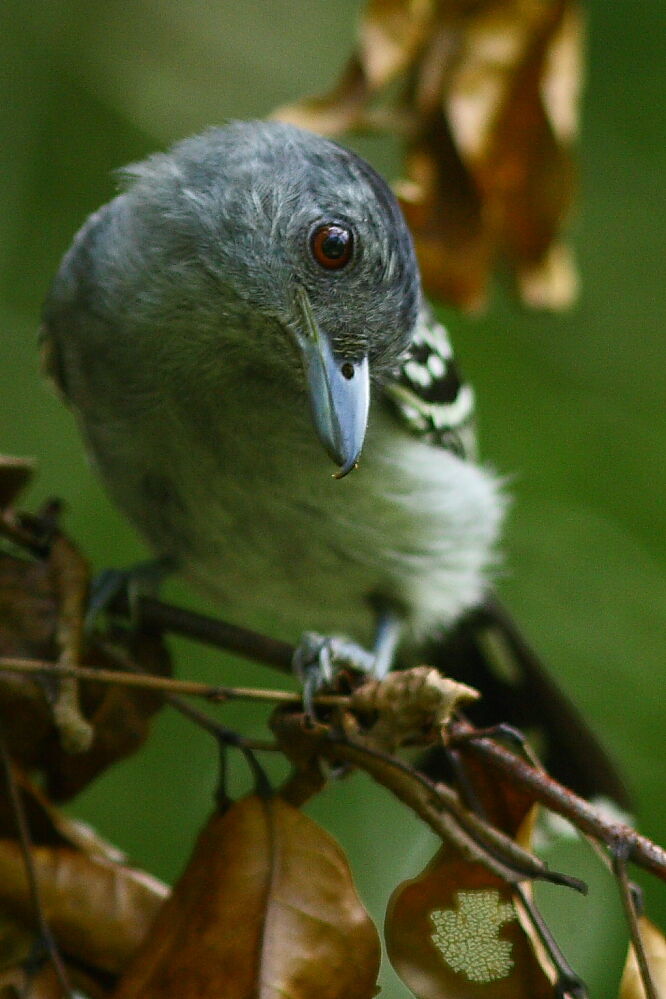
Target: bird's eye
332, 246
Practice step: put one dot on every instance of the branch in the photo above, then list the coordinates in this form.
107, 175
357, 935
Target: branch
435, 803
157, 615
560, 799
165, 684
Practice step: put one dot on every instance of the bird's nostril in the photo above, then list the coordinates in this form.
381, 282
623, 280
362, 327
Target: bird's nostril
347, 370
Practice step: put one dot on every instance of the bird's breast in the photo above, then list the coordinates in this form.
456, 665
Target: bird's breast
240, 493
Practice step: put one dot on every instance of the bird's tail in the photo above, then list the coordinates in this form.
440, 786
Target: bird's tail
487, 650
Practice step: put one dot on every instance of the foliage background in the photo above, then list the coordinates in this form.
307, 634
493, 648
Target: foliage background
572, 406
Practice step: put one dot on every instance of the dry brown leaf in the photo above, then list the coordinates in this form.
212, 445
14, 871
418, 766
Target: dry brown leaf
486, 97
446, 214
16, 941
39, 984
98, 911
265, 908
454, 931
390, 36
409, 705
342, 110
655, 948
29, 623
505, 804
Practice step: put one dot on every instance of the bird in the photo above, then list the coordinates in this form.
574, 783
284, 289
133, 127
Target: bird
270, 399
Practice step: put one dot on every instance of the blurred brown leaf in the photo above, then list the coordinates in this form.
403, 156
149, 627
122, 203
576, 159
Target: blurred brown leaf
98, 911
486, 95
265, 908
15, 474
16, 942
38, 984
503, 802
655, 949
29, 622
41, 982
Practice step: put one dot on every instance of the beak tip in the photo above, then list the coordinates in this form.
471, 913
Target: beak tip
348, 467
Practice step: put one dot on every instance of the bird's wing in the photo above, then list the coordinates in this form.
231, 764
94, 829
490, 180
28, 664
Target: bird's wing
427, 393
72, 309
485, 648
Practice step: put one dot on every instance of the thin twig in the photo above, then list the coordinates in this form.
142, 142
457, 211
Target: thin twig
226, 735
165, 684
568, 982
25, 843
437, 804
560, 799
619, 856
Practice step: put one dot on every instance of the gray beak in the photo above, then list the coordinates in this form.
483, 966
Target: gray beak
339, 390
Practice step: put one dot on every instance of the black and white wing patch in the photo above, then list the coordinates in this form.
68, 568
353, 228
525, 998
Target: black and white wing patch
428, 394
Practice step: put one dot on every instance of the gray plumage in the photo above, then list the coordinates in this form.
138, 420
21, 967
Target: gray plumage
175, 328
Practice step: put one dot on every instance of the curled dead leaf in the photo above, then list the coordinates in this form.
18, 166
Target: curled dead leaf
341, 110
391, 33
409, 704
266, 907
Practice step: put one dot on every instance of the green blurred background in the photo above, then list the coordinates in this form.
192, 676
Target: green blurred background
571, 406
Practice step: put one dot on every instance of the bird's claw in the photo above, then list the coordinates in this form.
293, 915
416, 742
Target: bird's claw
320, 658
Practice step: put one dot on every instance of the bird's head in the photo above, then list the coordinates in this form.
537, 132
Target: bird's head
309, 253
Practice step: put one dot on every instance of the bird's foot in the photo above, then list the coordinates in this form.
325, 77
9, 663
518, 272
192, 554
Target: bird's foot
319, 659
142, 579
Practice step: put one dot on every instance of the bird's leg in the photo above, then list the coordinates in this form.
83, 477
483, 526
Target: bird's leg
318, 658
387, 636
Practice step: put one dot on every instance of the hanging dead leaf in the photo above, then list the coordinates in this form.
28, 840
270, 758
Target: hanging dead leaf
265, 908
486, 98
454, 931
340, 111
446, 215
16, 941
654, 942
391, 34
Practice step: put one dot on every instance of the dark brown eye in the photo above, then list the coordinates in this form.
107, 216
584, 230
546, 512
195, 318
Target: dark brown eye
332, 246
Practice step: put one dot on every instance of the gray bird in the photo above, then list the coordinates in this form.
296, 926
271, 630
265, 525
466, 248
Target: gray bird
248, 305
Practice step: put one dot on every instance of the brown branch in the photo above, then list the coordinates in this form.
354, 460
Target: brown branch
560, 799
160, 616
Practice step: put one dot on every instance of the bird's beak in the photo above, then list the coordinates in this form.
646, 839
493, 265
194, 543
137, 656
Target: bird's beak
339, 389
